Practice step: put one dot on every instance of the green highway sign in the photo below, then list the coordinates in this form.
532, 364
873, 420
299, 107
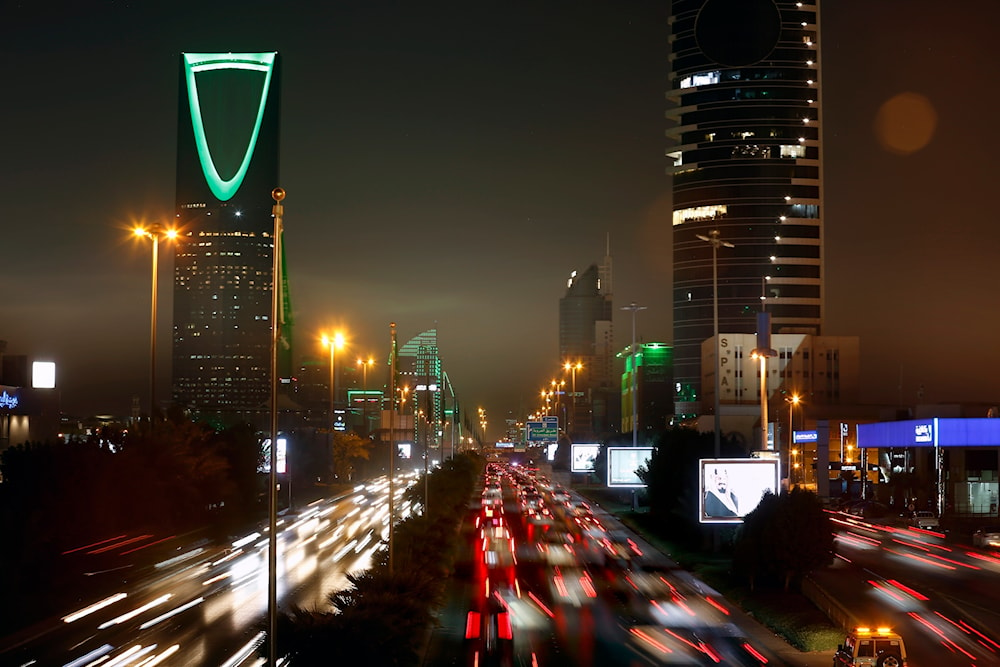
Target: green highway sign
541, 432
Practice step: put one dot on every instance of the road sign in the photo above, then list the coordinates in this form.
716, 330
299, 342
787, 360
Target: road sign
541, 431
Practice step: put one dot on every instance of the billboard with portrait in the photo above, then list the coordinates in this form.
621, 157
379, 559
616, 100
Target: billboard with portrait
584, 456
623, 464
732, 488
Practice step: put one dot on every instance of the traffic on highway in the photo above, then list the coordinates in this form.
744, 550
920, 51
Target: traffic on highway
206, 605
553, 580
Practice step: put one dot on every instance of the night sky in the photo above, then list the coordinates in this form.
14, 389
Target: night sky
448, 164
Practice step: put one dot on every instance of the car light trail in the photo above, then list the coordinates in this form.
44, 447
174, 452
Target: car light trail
541, 605
649, 640
90, 546
135, 612
174, 612
157, 659
129, 655
717, 605
98, 652
755, 653
245, 651
94, 607
114, 546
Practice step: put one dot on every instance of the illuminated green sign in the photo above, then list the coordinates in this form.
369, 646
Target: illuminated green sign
202, 62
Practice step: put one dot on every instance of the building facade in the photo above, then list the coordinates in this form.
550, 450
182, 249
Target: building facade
650, 374
745, 127
227, 167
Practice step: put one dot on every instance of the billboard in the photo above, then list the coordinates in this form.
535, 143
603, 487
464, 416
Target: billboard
550, 451
281, 456
623, 462
583, 457
732, 488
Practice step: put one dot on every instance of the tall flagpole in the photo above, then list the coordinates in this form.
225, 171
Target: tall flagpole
392, 440
277, 210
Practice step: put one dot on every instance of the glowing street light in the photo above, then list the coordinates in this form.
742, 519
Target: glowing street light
792, 401
573, 368
154, 232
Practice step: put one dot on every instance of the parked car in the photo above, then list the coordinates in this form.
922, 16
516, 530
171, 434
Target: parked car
924, 519
987, 538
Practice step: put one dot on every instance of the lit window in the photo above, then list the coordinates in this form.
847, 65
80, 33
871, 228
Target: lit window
699, 213
700, 79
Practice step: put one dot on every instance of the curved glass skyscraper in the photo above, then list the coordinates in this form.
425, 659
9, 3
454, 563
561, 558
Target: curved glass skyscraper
744, 108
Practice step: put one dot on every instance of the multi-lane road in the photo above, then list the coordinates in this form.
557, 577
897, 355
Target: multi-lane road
551, 580
207, 605
545, 579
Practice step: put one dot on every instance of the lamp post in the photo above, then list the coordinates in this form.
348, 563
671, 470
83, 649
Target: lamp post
573, 368
278, 194
557, 386
332, 342
154, 232
635, 308
716, 242
763, 353
392, 441
792, 400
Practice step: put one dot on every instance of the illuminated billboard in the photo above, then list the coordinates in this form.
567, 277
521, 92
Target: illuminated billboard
281, 456
43, 375
732, 488
404, 450
550, 451
623, 464
583, 457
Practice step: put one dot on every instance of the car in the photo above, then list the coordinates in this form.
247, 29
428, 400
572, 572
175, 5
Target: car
924, 519
988, 537
867, 647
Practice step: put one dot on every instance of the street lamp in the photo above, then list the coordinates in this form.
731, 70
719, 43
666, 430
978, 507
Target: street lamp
792, 401
334, 342
557, 386
573, 368
635, 308
153, 232
716, 242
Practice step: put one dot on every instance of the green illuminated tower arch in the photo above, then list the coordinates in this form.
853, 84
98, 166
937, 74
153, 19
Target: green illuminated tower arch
223, 188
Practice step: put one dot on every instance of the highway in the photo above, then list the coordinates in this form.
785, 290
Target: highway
207, 605
551, 580
942, 597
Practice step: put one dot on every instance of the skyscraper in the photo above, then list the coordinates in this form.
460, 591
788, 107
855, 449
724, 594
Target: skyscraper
227, 166
585, 336
744, 107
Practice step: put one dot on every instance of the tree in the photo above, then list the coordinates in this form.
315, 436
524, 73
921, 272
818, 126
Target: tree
346, 448
784, 538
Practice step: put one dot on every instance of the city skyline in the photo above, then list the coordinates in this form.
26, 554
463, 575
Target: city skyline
448, 166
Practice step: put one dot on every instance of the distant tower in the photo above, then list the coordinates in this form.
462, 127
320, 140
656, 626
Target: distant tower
227, 166
419, 364
744, 103
586, 335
